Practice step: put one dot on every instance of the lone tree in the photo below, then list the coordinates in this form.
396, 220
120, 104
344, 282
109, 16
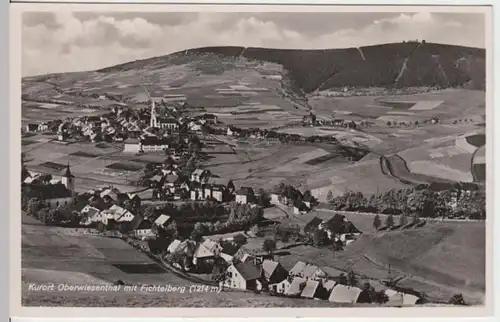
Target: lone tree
377, 222
269, 245
389, 222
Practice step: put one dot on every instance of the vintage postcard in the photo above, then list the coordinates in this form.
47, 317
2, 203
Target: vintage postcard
306, 161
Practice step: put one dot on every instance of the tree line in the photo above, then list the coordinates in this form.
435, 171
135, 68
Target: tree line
452, 202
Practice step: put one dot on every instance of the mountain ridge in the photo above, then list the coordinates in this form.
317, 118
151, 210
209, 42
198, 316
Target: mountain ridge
393, 65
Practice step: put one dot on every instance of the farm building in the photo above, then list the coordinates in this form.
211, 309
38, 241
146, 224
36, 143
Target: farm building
281, 287
200, 176
244, 195
172, 248
312, 225
401, 299
344, 294
162, 221
313, 272
144, 230
244, 276
329, 285
338, 225
297, 286
228, 251
300, 207
273, 272
314, 290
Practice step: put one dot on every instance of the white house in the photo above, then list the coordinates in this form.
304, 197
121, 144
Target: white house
162, 221
144, 230
281, 287
400, 299
200, 176
173, 246
244, 195
244, 276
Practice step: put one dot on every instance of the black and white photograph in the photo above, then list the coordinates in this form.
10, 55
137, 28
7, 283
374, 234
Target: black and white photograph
254, 159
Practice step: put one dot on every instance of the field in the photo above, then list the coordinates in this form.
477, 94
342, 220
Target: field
59, 259
439, 259
266, 165
93, 165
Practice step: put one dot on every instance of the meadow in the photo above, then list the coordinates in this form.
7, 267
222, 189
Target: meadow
93, 165
439, 259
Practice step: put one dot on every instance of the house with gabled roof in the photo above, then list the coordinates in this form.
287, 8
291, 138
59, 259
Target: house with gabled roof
297, 269
144, 230
312, 225
174, 245
313, 272
273, 272
400, 298
344, 294
228, 251
244, 276
328, 285
307, 271
296, 286
162, 221
311, 289
200, 175
281, 287
245, 195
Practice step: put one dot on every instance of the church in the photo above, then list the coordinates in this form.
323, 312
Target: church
57, 192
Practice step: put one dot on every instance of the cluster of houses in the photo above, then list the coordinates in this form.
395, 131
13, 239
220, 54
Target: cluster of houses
122, 123
200, 185
244, 271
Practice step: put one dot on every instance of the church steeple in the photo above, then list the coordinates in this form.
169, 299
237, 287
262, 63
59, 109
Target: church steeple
153, 121
68, 174
69, 180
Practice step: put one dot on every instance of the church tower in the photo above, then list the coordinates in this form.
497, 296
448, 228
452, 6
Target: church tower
69, 180
153, 122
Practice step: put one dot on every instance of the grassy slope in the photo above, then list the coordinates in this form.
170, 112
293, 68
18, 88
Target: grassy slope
333, 68
51, 258
443, 258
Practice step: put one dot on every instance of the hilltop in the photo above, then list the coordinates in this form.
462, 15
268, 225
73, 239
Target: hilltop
409, 64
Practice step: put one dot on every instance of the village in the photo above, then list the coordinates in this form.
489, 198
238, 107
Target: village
189, 205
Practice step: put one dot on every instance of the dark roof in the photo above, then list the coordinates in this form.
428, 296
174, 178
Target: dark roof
245, 191
248, 270
300, 205
167, 120
313, 224
48, 191
229, 248
151, 140
145, 224
339, 225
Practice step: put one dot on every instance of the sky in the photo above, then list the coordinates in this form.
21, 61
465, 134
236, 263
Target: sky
54, 42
